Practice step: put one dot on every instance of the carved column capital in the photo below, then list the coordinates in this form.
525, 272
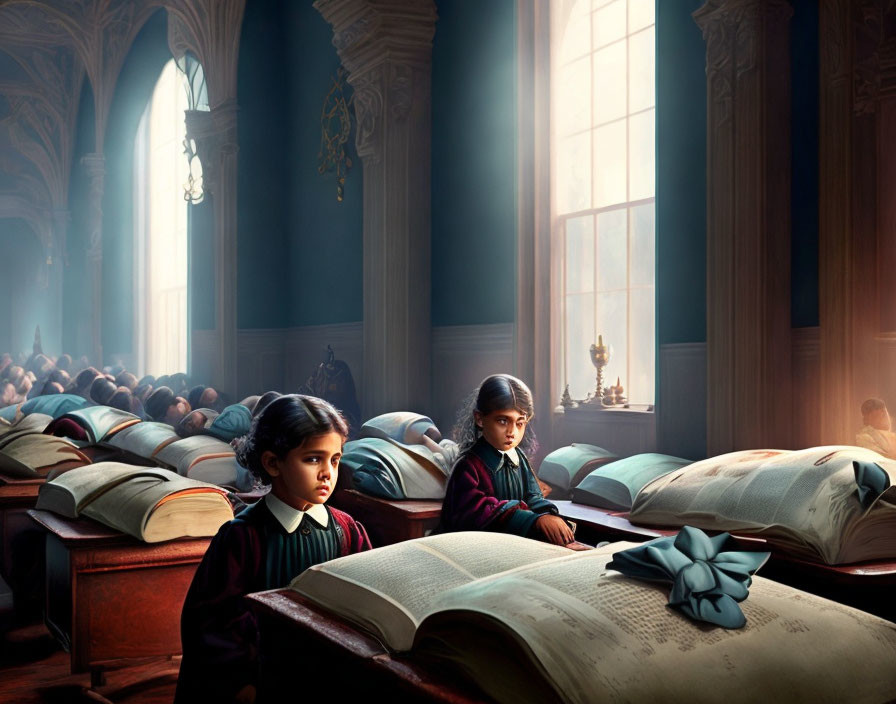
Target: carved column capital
387, 50
215, 134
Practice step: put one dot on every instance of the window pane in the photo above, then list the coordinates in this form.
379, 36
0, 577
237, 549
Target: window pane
641, 89
640, 14
573, 109
574, 174
641, 155
612, 232
609, 164
641, 380
580, 255
576, 39
609, 83
611, 323
579, 323
643, 245
609, 23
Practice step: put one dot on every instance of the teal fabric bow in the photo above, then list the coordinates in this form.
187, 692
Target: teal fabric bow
707, 580
871, 481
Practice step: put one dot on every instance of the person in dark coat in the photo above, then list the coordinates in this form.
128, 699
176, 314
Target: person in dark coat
295, 446
492, 486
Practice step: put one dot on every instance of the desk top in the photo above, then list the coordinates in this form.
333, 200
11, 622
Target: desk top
415, 509
617, 523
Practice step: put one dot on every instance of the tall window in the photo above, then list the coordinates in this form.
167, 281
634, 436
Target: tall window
160, 254
603, 114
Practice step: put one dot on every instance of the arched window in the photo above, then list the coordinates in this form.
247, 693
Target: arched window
602, 117
160, 212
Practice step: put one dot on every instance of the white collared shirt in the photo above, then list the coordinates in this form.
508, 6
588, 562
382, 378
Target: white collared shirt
291, 518
512, 455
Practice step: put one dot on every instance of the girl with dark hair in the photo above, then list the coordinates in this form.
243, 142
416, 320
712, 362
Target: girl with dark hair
492, 486
294, 445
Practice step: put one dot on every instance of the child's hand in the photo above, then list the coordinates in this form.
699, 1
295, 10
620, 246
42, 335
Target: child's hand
554, 529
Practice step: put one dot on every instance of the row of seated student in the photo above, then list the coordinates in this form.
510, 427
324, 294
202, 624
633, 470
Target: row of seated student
295, 445
167, 399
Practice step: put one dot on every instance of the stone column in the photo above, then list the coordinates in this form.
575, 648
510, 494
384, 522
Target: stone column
748, 223
215, 133
52, 337
95, 169
835, 270
387, 50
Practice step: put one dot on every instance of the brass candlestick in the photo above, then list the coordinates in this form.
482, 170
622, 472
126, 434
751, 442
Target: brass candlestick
600, 357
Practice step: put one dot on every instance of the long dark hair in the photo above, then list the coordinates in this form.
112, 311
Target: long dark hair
285, 424
498, 392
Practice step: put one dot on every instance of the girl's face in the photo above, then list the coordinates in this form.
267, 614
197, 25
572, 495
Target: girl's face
503, 429
307, 475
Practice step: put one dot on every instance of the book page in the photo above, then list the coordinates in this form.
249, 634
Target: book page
390, 589
601, 636
806, 500
145, 438
128, 504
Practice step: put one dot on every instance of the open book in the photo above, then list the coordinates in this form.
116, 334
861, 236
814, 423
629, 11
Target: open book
34, 423
614, 486
806, 502
530, 622
148, 503
565, 467
101, 422
144, 439
203, 458
36, 455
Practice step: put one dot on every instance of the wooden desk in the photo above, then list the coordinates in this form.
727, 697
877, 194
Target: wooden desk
386, 521
21, 544
111, 598
865, 585
333, 655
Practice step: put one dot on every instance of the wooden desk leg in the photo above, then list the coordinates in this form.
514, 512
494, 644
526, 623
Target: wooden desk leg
97, 677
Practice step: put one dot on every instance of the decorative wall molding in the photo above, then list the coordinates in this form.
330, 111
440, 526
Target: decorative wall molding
387, 50
462, 356
681, 403
748, 222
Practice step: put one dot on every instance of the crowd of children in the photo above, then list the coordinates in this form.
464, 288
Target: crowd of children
293, 443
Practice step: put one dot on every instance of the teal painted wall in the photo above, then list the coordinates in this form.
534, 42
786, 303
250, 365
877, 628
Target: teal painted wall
262, 170
138, 77
680, 174
474, 157
804, 185
324, 254
24, 302
202, 265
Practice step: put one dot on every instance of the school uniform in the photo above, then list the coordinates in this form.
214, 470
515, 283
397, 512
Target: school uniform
265, 547
493, 490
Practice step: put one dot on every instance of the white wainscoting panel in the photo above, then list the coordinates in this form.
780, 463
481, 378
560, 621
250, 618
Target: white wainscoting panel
622, 431
260, 360
462, 356
681, 406
805, 359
